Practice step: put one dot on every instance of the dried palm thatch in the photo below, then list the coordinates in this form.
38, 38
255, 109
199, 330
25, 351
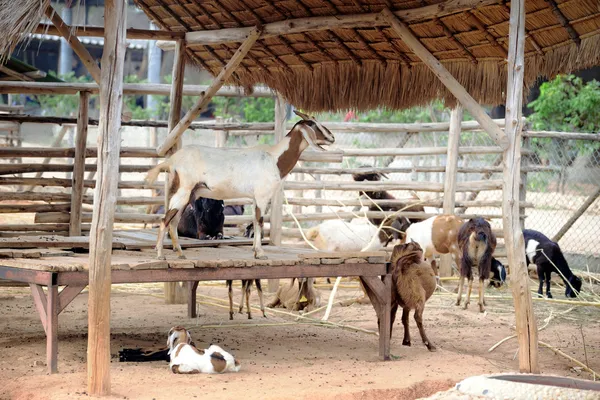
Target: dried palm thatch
369, 66
17, 20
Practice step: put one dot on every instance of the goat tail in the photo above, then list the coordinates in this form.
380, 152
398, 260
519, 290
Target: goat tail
153, 173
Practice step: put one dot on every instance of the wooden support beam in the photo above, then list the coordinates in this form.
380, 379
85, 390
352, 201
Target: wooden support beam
84, 55
52, 329
348, 21
276, 224
77, 188
15, 74
588, 202
224, 75
447, 79
109, 143
98, 31
450, 179
513, 235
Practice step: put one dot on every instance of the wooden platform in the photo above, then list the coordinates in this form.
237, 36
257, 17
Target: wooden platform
52, 267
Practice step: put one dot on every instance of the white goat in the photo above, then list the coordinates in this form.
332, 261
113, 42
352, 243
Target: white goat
226, 173
187, 359
339, 235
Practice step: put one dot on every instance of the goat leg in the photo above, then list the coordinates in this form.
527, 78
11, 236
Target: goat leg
419, 320
405, 315
164, 225
548, 282
393, 312
469, 289
461, 283
230, 292
259, 253
243, 294
248, 291
541, 275
260, 296
481, 296
175, 235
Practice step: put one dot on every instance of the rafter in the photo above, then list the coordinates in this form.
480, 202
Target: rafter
564, 22
457, 42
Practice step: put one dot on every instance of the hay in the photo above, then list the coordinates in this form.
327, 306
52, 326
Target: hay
17, 20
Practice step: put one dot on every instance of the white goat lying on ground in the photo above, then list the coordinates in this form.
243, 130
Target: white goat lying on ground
339, 235
226, 173
187, 359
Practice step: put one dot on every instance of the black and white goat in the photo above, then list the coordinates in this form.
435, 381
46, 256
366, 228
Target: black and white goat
227, 173
185, 358
498, 277
548, 258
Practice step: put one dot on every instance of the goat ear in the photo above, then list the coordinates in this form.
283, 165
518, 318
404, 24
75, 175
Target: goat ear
311, 143
302, 115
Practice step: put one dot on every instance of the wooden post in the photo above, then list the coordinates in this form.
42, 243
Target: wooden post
446, 77
450, 178
176, 292
513, 235
276, 223
52, 329
223, 76
523, 183
105, 199
79, 165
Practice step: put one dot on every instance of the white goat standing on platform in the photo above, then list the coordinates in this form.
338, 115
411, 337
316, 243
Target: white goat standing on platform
222, 173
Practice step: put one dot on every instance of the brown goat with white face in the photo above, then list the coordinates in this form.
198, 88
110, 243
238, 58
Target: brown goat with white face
477, 243
414, 283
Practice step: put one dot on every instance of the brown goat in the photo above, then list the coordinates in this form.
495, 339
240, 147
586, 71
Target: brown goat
296, 298
477, 243
414, 283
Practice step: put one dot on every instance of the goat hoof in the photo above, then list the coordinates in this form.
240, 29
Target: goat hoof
430, 347
231, 317
481, 308
458, 302
162, 258
466, 306
264, 315
182, 257
549, 295
261, 257
406, 343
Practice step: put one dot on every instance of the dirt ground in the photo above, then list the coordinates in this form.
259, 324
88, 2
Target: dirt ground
293, 361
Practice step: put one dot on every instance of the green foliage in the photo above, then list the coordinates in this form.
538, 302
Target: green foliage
567, 104
62, 105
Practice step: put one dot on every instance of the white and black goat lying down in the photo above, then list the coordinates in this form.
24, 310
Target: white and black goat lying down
227, 173
185, 358
543, 252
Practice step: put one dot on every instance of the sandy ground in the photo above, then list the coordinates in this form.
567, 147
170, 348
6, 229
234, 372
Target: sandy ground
281, 361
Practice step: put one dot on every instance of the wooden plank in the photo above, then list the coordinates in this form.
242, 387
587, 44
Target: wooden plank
447, 79
224, 75
450, 179
39, 300
77, 189
52, 329
109, 140
513, 234
343, 254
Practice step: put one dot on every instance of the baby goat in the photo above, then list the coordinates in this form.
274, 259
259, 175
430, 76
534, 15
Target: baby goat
543, 252
187, 359
414, 283
226, 173
477, 243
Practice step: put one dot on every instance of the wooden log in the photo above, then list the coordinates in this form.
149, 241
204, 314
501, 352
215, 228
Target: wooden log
277, 200
77, 188
397, 185
109, 140
47, 197
98, 31
224, 75
55, 143
66, 152
398, 202
450, 179
310, 24
38, 227
418, 151
594, 137
128, 89
586, 204
407, 170
447, 79
127, 218
32, 208
513, 235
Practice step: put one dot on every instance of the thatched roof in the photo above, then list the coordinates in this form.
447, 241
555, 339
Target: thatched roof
367, 67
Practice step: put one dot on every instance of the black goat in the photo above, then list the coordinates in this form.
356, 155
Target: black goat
399, 223
203, 219
498, 274
548, 258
